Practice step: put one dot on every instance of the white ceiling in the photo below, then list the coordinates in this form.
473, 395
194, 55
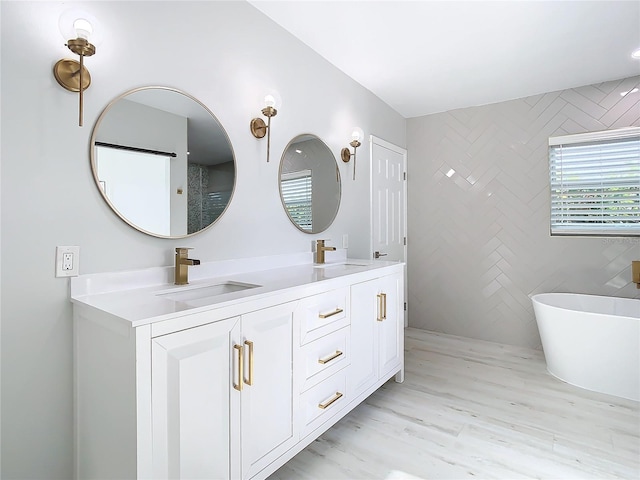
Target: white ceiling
423, 57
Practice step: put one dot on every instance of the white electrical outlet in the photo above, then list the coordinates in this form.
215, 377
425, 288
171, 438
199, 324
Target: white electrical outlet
345, 240
67, 261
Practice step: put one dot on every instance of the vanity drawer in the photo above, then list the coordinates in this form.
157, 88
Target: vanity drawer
322, 401
323, 357
323, 314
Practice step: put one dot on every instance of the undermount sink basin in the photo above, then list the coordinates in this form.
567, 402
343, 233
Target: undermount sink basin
200, 296
334, 270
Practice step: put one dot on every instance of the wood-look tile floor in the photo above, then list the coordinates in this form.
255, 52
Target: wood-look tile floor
469, 408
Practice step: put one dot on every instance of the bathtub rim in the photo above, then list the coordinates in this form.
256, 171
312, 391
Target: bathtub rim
586, 312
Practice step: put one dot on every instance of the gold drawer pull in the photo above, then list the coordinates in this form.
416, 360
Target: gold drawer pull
249, 381
327, 315
239, 349
337, 396
322, 361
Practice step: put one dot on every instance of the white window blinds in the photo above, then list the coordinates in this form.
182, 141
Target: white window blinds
595, 183
296, 191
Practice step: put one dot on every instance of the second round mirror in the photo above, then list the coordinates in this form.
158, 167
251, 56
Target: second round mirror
309, 183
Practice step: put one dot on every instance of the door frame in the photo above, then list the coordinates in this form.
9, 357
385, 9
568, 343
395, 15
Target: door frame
373, 140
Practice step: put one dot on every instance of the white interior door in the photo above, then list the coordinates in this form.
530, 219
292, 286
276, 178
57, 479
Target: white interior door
138, 186
388, 202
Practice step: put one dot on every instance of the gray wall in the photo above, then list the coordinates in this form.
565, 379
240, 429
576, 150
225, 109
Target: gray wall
479, 241
49, 197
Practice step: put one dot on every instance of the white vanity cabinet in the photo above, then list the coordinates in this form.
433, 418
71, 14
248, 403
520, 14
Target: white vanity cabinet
377, 340
267, 398
194, 409
323, 358
234, 390
206, 379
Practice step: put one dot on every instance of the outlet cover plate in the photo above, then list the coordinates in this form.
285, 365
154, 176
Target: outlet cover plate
67, 261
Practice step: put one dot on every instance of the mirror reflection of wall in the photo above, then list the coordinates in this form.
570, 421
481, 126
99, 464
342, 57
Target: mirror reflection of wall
309, 183
163, 162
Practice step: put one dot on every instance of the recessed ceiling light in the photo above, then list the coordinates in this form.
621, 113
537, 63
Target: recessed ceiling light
636, 53
622, 94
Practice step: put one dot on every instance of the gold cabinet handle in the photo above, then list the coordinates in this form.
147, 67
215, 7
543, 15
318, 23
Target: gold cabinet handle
239, 349
382, 306
249, 381
337, 396
327, 315
384, 303
323, 361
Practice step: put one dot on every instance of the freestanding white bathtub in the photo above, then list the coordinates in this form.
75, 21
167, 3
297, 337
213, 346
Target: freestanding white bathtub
591, 341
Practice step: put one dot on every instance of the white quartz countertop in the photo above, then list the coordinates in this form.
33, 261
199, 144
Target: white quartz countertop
140, 298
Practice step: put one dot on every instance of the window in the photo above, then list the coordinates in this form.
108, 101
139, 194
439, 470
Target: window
296, 196
595, 183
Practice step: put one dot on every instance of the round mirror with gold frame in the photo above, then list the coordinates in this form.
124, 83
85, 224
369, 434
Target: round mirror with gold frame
163, 162
309, 180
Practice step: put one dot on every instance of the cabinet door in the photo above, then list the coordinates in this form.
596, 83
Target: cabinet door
267, 395
363, 371
391, 326
193, 403
377, 340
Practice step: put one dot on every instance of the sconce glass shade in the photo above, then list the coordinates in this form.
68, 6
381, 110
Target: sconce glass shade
83, 28
273, 99
636, 53
270, 101
357, 135
78, 23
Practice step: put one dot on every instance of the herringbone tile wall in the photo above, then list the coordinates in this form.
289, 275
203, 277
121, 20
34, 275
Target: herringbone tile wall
478, 218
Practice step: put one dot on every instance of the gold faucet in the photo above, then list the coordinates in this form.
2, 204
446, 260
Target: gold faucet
320, 249
182, 265
635, 272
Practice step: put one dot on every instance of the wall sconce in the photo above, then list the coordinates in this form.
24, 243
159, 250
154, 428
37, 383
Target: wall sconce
71, 74
346, 155
258, 128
